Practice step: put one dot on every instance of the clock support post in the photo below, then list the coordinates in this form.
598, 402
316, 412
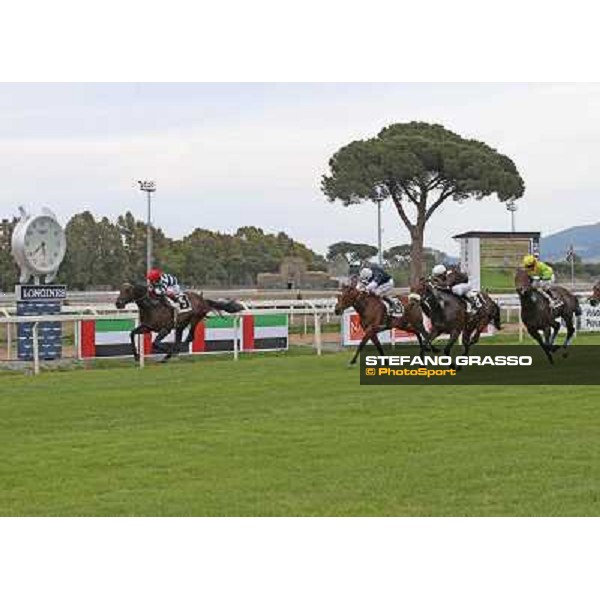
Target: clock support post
35, 300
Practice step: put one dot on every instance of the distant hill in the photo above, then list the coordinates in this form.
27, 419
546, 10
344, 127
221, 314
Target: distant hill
585, 240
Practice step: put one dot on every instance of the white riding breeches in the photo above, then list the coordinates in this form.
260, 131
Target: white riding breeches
461, 289
380, 290
543, 283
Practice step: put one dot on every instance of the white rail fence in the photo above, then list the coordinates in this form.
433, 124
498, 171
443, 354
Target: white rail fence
314, 310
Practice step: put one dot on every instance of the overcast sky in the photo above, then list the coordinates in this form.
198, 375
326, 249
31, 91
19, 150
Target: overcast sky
227, 155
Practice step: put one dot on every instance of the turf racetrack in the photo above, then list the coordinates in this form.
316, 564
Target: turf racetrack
291, 435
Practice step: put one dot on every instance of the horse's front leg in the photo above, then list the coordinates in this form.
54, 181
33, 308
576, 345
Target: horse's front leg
162, 334
423, 340
377, 344
538, 338
467, 341
431, 336
555, 329
453, 337
134, 332
175, 348
366, 337
425, 337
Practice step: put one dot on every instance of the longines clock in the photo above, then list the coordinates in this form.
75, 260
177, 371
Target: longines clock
38, 245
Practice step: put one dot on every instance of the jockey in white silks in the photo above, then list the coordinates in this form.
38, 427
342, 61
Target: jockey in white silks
456, 282
374, 280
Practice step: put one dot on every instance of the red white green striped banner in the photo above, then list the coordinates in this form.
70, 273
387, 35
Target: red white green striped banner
216, 334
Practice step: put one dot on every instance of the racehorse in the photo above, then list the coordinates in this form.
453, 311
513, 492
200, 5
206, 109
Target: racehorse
538, 315
447, 313
488, 313
374, 317
156, 316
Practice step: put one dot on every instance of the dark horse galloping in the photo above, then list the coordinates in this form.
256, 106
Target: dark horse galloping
451, 316
447, 313
489, 312
156, 316
374, 318
537, 314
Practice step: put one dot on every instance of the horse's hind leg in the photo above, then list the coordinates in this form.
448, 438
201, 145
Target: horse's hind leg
570, 334
555, 329
193, 324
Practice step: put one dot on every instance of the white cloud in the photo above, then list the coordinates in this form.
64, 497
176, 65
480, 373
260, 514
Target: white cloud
257, 157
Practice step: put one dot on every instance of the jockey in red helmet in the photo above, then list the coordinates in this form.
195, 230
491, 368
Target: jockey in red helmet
165, 287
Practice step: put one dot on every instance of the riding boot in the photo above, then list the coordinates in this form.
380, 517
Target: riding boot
471, 308
169, 303
554, 302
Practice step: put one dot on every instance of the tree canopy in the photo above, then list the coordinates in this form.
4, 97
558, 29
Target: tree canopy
418, 166
353, 253
104, 253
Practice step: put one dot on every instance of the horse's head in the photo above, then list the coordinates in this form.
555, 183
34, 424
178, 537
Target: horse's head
522, 281
594, 300
422, 288
130, 293
347, 297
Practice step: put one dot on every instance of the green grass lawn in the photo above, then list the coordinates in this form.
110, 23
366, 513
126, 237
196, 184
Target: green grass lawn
291, 435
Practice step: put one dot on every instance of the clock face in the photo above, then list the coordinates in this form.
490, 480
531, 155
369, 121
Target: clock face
44, 244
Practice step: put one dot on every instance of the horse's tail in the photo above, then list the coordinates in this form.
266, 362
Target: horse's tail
577, 309
229, 306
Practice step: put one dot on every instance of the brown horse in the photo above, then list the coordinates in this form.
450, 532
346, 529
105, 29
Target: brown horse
538, 315
488, 312
447, 313
156, 316
594, 299
374, 317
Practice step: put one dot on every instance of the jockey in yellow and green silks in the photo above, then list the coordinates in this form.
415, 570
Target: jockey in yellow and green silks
539, 270
541, 275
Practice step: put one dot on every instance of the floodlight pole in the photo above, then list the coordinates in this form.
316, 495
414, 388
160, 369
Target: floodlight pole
379, 198
379, 255
511, 206
149, 187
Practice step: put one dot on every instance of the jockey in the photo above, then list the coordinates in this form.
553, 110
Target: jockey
165, 287
541, 275
457, 282
374, 280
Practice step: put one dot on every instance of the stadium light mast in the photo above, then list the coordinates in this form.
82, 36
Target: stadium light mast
511, 206
379, 198
149, 187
